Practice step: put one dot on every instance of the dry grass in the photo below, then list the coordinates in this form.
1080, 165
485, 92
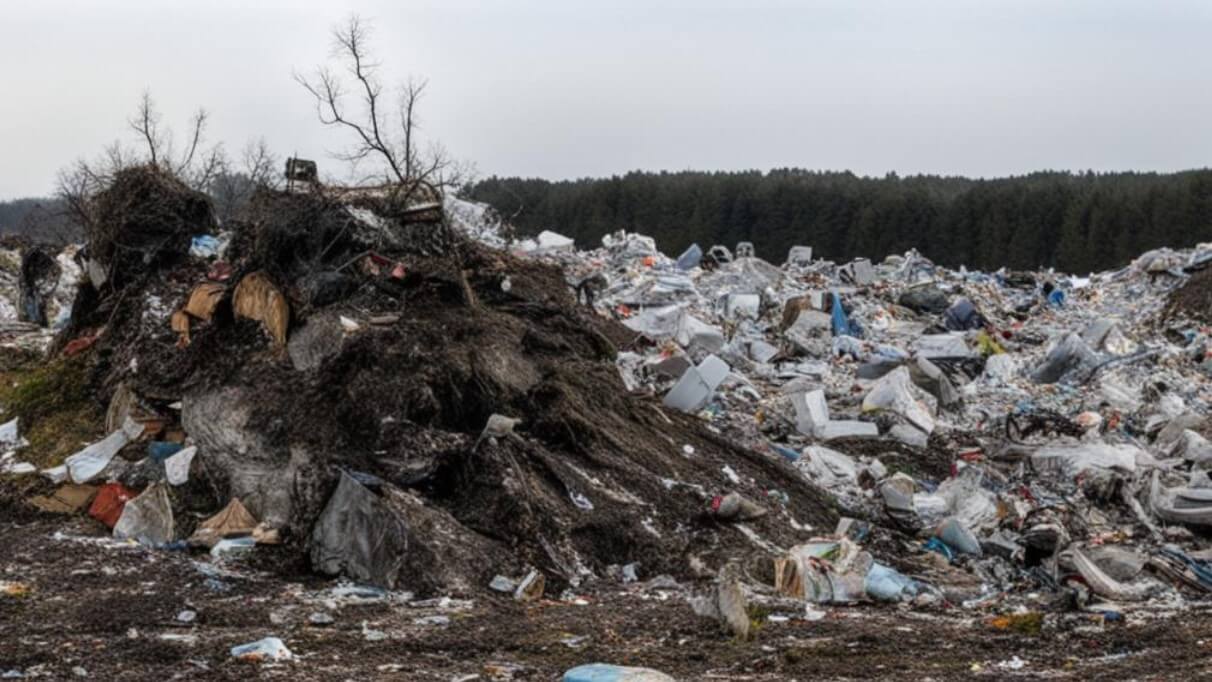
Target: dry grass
58, 415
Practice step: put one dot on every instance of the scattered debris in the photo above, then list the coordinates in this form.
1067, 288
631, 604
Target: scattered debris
603, 672
436, 415
269, 649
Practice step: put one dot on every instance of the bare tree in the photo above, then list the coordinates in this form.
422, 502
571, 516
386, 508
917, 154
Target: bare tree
261, 164
146, 122
78, 183
199, 174
197, 166
232, 187
390, 137
74, 186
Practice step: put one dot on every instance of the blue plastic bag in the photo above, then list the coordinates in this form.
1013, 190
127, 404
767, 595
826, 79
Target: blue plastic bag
604, 672
690, 258
886, 584
940, 547
204, 246
162, 450
791, 455
841, 326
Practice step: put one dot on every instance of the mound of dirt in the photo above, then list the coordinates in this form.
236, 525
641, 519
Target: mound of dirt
402, 343
1193, 299
145, 219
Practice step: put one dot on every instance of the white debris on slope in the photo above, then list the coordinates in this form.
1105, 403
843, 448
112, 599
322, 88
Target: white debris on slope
1030, 399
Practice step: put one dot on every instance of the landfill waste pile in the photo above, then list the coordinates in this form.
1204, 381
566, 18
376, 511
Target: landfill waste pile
411, 409
406, 398
37, 287
1006, 438
999, 436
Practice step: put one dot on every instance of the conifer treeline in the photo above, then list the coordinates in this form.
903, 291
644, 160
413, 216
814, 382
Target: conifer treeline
1075, 222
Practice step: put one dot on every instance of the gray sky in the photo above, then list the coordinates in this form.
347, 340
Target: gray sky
565, 88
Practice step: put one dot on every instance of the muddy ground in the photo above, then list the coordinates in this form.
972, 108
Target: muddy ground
94, 609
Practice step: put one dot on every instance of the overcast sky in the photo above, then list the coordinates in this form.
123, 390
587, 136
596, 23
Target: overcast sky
566, 88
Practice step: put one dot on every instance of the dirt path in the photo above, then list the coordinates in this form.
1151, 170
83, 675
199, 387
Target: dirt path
99, 610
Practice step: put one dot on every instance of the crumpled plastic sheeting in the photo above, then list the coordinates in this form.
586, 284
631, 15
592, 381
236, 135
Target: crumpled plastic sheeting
1001, 368
1104, 585
972, 504
176, 467
369, 537
838, 572
1070, 360
87, 464
894, 392
1073, 460
827, 467
147, 519
1180, 504
358, 535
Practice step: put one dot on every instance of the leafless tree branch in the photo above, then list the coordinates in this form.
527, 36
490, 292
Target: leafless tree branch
146, 122
260, 164
391, 139
199, 127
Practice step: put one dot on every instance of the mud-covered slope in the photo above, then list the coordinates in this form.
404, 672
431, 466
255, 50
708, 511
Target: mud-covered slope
438, 335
